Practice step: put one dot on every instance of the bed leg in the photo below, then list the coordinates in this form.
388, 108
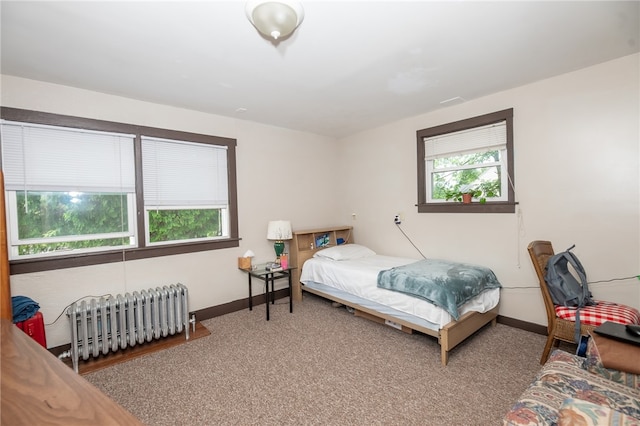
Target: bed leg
494, 321
444, 356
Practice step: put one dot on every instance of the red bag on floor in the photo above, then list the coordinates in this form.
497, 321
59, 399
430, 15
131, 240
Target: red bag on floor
34, 327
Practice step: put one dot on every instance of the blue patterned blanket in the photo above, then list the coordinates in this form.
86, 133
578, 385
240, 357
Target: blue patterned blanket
446, 284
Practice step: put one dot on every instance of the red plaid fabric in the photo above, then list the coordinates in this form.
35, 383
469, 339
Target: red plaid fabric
602, 312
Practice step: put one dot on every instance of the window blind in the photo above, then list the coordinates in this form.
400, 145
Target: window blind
486, 138
180, 173
49, 158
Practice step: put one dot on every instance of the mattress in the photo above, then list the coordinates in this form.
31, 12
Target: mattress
358, 277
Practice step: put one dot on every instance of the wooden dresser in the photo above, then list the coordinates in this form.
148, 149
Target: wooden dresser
38, 389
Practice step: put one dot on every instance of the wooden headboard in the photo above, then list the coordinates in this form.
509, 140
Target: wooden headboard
307, 242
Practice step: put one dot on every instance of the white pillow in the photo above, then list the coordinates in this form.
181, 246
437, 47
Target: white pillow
345, 252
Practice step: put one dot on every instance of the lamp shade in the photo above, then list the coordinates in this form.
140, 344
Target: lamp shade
279, 230
275, 19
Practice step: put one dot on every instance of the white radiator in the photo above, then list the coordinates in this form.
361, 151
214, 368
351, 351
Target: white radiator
107, 324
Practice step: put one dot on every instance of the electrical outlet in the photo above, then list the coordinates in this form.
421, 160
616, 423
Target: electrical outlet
398, 218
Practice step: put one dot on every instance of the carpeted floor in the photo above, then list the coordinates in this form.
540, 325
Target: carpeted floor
322, 365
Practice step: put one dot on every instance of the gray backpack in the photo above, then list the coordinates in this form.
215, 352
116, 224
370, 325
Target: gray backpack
563, 286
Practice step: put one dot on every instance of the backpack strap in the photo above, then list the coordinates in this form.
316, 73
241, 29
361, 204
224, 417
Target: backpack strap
586, 294
575, 262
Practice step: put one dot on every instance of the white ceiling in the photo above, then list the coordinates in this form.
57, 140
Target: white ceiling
350, 66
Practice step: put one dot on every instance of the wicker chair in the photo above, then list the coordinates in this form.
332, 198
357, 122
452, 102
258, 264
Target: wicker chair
557, 329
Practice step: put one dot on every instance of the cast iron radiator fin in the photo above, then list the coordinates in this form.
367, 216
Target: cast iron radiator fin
107, 324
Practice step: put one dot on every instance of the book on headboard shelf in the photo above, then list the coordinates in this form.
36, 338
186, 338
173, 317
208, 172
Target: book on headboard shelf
322, 240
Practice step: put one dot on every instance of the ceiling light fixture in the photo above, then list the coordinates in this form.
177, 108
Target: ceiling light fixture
275, 19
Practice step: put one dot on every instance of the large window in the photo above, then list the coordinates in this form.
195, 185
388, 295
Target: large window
81, 192
473, 156
67, 190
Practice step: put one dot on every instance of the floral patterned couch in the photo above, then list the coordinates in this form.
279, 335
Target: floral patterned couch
571, 390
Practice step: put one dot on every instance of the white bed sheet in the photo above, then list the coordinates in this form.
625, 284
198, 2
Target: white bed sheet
359, 277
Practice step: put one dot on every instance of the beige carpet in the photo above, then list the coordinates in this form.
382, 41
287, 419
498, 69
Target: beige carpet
322, 365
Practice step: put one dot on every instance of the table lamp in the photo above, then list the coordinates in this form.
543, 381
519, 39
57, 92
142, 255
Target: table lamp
278, 231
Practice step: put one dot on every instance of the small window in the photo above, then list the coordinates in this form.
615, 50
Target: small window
471, 156
185, 191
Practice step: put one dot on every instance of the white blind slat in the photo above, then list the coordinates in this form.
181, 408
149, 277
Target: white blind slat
51, 158
177, 173
493, 136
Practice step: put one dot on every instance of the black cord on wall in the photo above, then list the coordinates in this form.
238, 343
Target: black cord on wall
397, 222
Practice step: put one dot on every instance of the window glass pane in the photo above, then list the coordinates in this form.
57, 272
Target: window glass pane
467, 159
54, 214
184, 224
60, 221
485, 179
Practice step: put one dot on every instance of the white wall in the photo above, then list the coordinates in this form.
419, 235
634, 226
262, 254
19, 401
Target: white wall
577, 178
276, 180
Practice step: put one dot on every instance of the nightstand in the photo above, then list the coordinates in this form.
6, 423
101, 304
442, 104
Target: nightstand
261, 273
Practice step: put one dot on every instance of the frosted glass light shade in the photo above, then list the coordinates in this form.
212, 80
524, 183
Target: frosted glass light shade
275, 19
279, 230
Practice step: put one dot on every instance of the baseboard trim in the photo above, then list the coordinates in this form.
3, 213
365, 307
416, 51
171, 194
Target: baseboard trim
523, 325
236, 305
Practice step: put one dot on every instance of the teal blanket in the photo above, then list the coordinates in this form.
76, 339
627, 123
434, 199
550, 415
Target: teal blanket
446, 284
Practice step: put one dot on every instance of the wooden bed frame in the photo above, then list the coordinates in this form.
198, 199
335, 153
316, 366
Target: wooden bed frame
303, 246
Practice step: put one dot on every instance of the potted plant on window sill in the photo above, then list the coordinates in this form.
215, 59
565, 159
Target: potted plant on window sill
462, 196
465, 194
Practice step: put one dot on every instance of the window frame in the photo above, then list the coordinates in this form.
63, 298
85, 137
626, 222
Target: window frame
160, 154
426, 206
143, 251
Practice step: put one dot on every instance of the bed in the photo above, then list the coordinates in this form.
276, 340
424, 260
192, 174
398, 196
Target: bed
354, 276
